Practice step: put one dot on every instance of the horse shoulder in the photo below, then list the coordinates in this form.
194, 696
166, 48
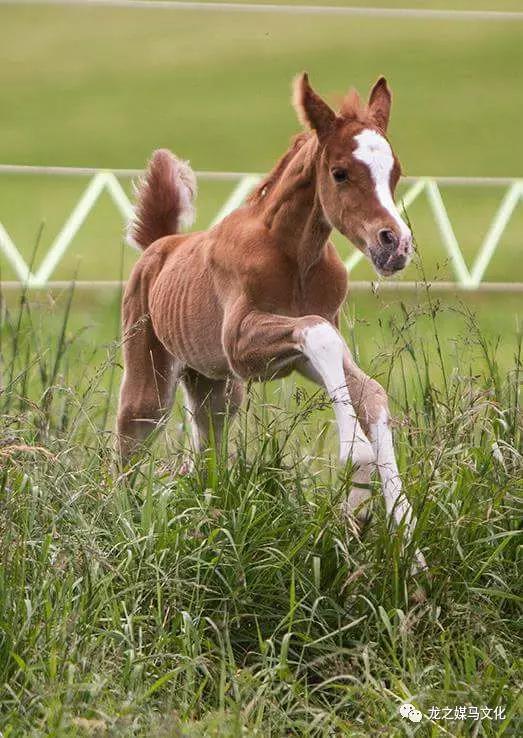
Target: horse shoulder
336, 269
243, 251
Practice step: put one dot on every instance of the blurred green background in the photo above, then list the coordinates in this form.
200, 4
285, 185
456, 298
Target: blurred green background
103, 87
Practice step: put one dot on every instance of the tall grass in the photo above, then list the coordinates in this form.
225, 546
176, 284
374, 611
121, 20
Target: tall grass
236, 601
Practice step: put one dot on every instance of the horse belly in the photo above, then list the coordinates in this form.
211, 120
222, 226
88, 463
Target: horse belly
187, 317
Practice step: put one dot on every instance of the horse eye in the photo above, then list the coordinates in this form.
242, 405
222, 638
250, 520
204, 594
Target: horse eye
340, 175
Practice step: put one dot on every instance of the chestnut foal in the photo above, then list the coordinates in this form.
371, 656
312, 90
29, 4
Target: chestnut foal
258, 295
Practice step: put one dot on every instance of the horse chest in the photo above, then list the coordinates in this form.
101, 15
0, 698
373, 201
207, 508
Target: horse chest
323, 292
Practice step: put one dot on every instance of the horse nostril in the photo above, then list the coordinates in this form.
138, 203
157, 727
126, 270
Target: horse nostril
387, 238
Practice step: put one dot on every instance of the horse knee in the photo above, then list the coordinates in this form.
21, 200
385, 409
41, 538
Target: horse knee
320, 341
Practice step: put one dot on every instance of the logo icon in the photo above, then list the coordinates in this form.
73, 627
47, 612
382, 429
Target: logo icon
409, 712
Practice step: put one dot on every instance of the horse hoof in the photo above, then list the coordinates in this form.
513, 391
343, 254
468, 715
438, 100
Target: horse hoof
185, 468
419, 596
358, 522
363, 521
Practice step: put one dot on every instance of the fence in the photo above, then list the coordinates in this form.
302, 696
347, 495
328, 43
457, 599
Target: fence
283, 9
108, 181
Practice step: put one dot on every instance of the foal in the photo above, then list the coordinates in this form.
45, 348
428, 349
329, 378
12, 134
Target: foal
258, 295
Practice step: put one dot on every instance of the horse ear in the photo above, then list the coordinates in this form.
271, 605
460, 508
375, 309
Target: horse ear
380, 100
311, 109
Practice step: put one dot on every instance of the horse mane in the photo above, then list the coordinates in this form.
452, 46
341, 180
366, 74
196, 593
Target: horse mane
352, 107
276, 172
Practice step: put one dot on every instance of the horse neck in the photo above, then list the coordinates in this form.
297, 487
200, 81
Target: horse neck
293, 211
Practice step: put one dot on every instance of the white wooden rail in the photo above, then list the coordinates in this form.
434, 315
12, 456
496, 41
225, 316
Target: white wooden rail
108, 181
451, 14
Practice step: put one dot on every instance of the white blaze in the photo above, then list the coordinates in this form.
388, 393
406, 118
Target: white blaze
374, 151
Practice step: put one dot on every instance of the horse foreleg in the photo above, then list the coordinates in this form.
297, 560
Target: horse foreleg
259, 344
360, 492
209, 402
371, 403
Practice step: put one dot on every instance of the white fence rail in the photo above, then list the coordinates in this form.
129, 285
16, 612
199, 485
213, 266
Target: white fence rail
283, 9
108, 181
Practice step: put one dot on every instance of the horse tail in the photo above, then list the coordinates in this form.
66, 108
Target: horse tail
164, 200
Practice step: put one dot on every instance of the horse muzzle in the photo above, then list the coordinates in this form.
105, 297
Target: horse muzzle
392, 252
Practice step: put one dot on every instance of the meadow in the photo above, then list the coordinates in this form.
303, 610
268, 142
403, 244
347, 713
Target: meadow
236, 601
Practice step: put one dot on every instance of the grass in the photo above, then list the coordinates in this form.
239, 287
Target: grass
236, 601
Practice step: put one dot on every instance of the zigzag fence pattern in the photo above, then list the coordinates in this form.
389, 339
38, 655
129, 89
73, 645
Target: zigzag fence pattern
108, 181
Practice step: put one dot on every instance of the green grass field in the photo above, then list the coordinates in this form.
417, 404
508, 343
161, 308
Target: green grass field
236, 601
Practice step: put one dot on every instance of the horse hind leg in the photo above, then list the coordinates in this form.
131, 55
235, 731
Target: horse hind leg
148, 386
209, 402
